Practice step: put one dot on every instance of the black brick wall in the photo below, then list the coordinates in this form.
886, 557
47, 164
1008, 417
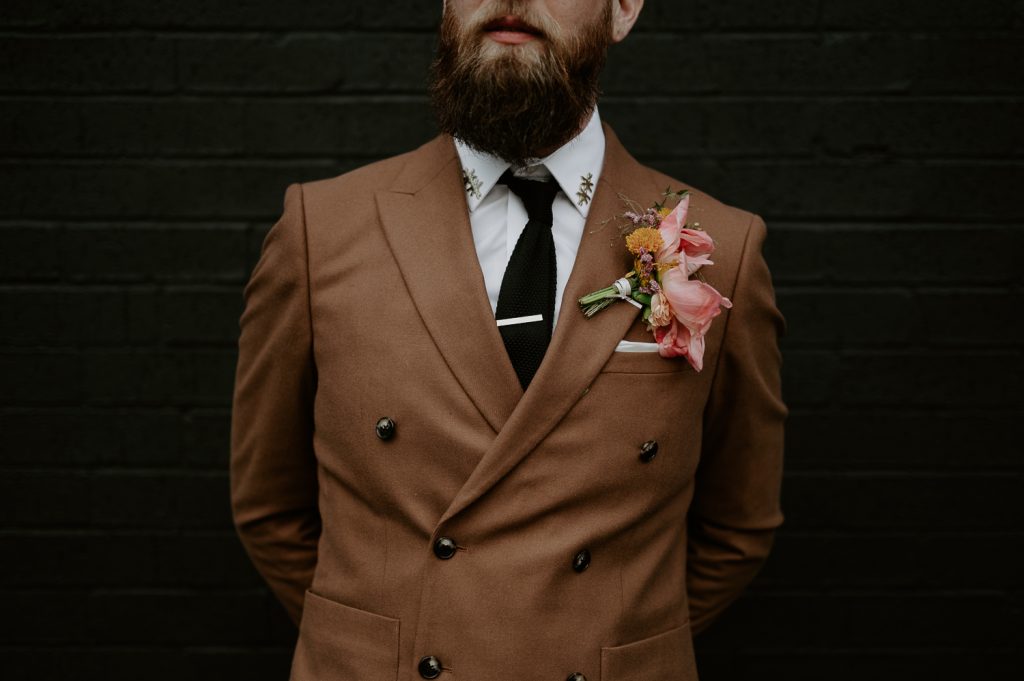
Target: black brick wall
145, 151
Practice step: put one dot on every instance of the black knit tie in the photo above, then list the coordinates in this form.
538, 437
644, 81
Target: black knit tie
528, 287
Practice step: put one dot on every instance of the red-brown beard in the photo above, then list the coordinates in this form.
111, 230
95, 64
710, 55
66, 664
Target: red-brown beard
526, 101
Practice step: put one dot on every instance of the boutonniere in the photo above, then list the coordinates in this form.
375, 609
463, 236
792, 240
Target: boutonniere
677, 302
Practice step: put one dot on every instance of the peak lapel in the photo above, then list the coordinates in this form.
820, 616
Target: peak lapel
579, 346
426, 223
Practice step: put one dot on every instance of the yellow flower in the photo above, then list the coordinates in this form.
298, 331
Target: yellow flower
644, 237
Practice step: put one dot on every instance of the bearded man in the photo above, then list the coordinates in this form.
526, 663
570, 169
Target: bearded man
441, 466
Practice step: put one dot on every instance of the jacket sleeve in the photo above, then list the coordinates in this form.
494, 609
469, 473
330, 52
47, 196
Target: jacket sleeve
736, 504
273, 470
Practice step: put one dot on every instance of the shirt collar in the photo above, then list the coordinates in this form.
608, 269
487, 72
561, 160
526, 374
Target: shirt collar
576, 166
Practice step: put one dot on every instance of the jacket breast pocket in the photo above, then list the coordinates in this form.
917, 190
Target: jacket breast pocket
644, 363
339, 643
667, 656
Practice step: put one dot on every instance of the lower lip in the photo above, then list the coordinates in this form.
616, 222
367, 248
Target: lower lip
511, 37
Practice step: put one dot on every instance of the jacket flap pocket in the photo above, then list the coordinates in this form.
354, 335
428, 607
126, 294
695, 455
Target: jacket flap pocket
339, 642
667, 656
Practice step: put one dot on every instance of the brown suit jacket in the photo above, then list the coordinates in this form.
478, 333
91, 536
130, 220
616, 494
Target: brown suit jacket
368, 301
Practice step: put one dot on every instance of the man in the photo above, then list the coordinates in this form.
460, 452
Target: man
434, 488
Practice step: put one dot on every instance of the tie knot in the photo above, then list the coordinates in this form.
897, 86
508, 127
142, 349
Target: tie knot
536, 195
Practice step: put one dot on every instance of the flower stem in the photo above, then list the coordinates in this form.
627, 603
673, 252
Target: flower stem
603, 294
594, 308
594, 302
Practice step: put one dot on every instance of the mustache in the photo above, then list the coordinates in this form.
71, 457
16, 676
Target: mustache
511, 23
514, 15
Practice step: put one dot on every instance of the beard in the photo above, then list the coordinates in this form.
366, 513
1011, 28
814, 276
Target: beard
517, 102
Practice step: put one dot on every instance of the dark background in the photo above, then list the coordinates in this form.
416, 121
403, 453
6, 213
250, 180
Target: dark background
146, 147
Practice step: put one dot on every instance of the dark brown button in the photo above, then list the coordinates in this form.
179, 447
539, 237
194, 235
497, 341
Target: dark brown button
430, 667
648, 451
576, 677
385, 428
581, 561
444, 548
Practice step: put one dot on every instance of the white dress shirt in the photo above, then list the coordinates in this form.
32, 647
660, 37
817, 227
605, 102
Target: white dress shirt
497, 216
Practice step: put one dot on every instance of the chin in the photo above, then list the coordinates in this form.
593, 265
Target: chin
529, 51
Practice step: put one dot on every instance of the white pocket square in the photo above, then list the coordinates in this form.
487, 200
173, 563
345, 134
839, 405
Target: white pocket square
635, 346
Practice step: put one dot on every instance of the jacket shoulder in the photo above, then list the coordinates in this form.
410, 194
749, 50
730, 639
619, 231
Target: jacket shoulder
708, 209
358, 182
